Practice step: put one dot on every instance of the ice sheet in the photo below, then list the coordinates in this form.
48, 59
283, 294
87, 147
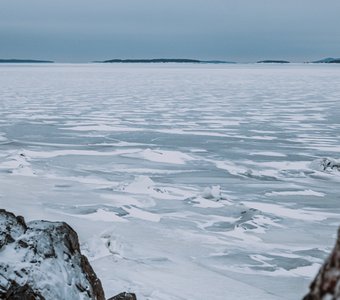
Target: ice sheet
183, 182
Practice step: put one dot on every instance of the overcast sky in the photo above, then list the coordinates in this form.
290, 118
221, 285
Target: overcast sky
237, 30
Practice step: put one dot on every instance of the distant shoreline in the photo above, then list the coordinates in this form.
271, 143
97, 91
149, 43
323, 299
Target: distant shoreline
272, 61
166, 60
169, 60
21, 61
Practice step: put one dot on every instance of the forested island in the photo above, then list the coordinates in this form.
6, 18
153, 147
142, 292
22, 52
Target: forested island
166, 60
328, 60
271, 61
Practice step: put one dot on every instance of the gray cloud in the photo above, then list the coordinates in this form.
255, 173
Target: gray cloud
242, 30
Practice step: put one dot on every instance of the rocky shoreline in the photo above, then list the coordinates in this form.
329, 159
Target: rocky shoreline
326, 285
42, 260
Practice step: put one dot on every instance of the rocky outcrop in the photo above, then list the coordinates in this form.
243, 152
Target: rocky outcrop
42, 260
124, 296
17, 292
326, 285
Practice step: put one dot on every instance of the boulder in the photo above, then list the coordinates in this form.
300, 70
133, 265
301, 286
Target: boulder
326, 285
42, 260
124, 296
17, 292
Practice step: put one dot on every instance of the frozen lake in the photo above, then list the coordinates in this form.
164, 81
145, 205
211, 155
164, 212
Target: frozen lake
183, 181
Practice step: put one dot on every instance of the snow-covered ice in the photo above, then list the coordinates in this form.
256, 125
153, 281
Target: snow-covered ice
183, 181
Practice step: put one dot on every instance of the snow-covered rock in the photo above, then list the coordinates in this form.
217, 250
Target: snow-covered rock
326, 285
213, 192
326, 164
124, 296
42, 260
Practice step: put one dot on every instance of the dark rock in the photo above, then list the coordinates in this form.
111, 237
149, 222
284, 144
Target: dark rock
47, 263
124, 296
11, 227
326, 285
17, 292
330, 164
